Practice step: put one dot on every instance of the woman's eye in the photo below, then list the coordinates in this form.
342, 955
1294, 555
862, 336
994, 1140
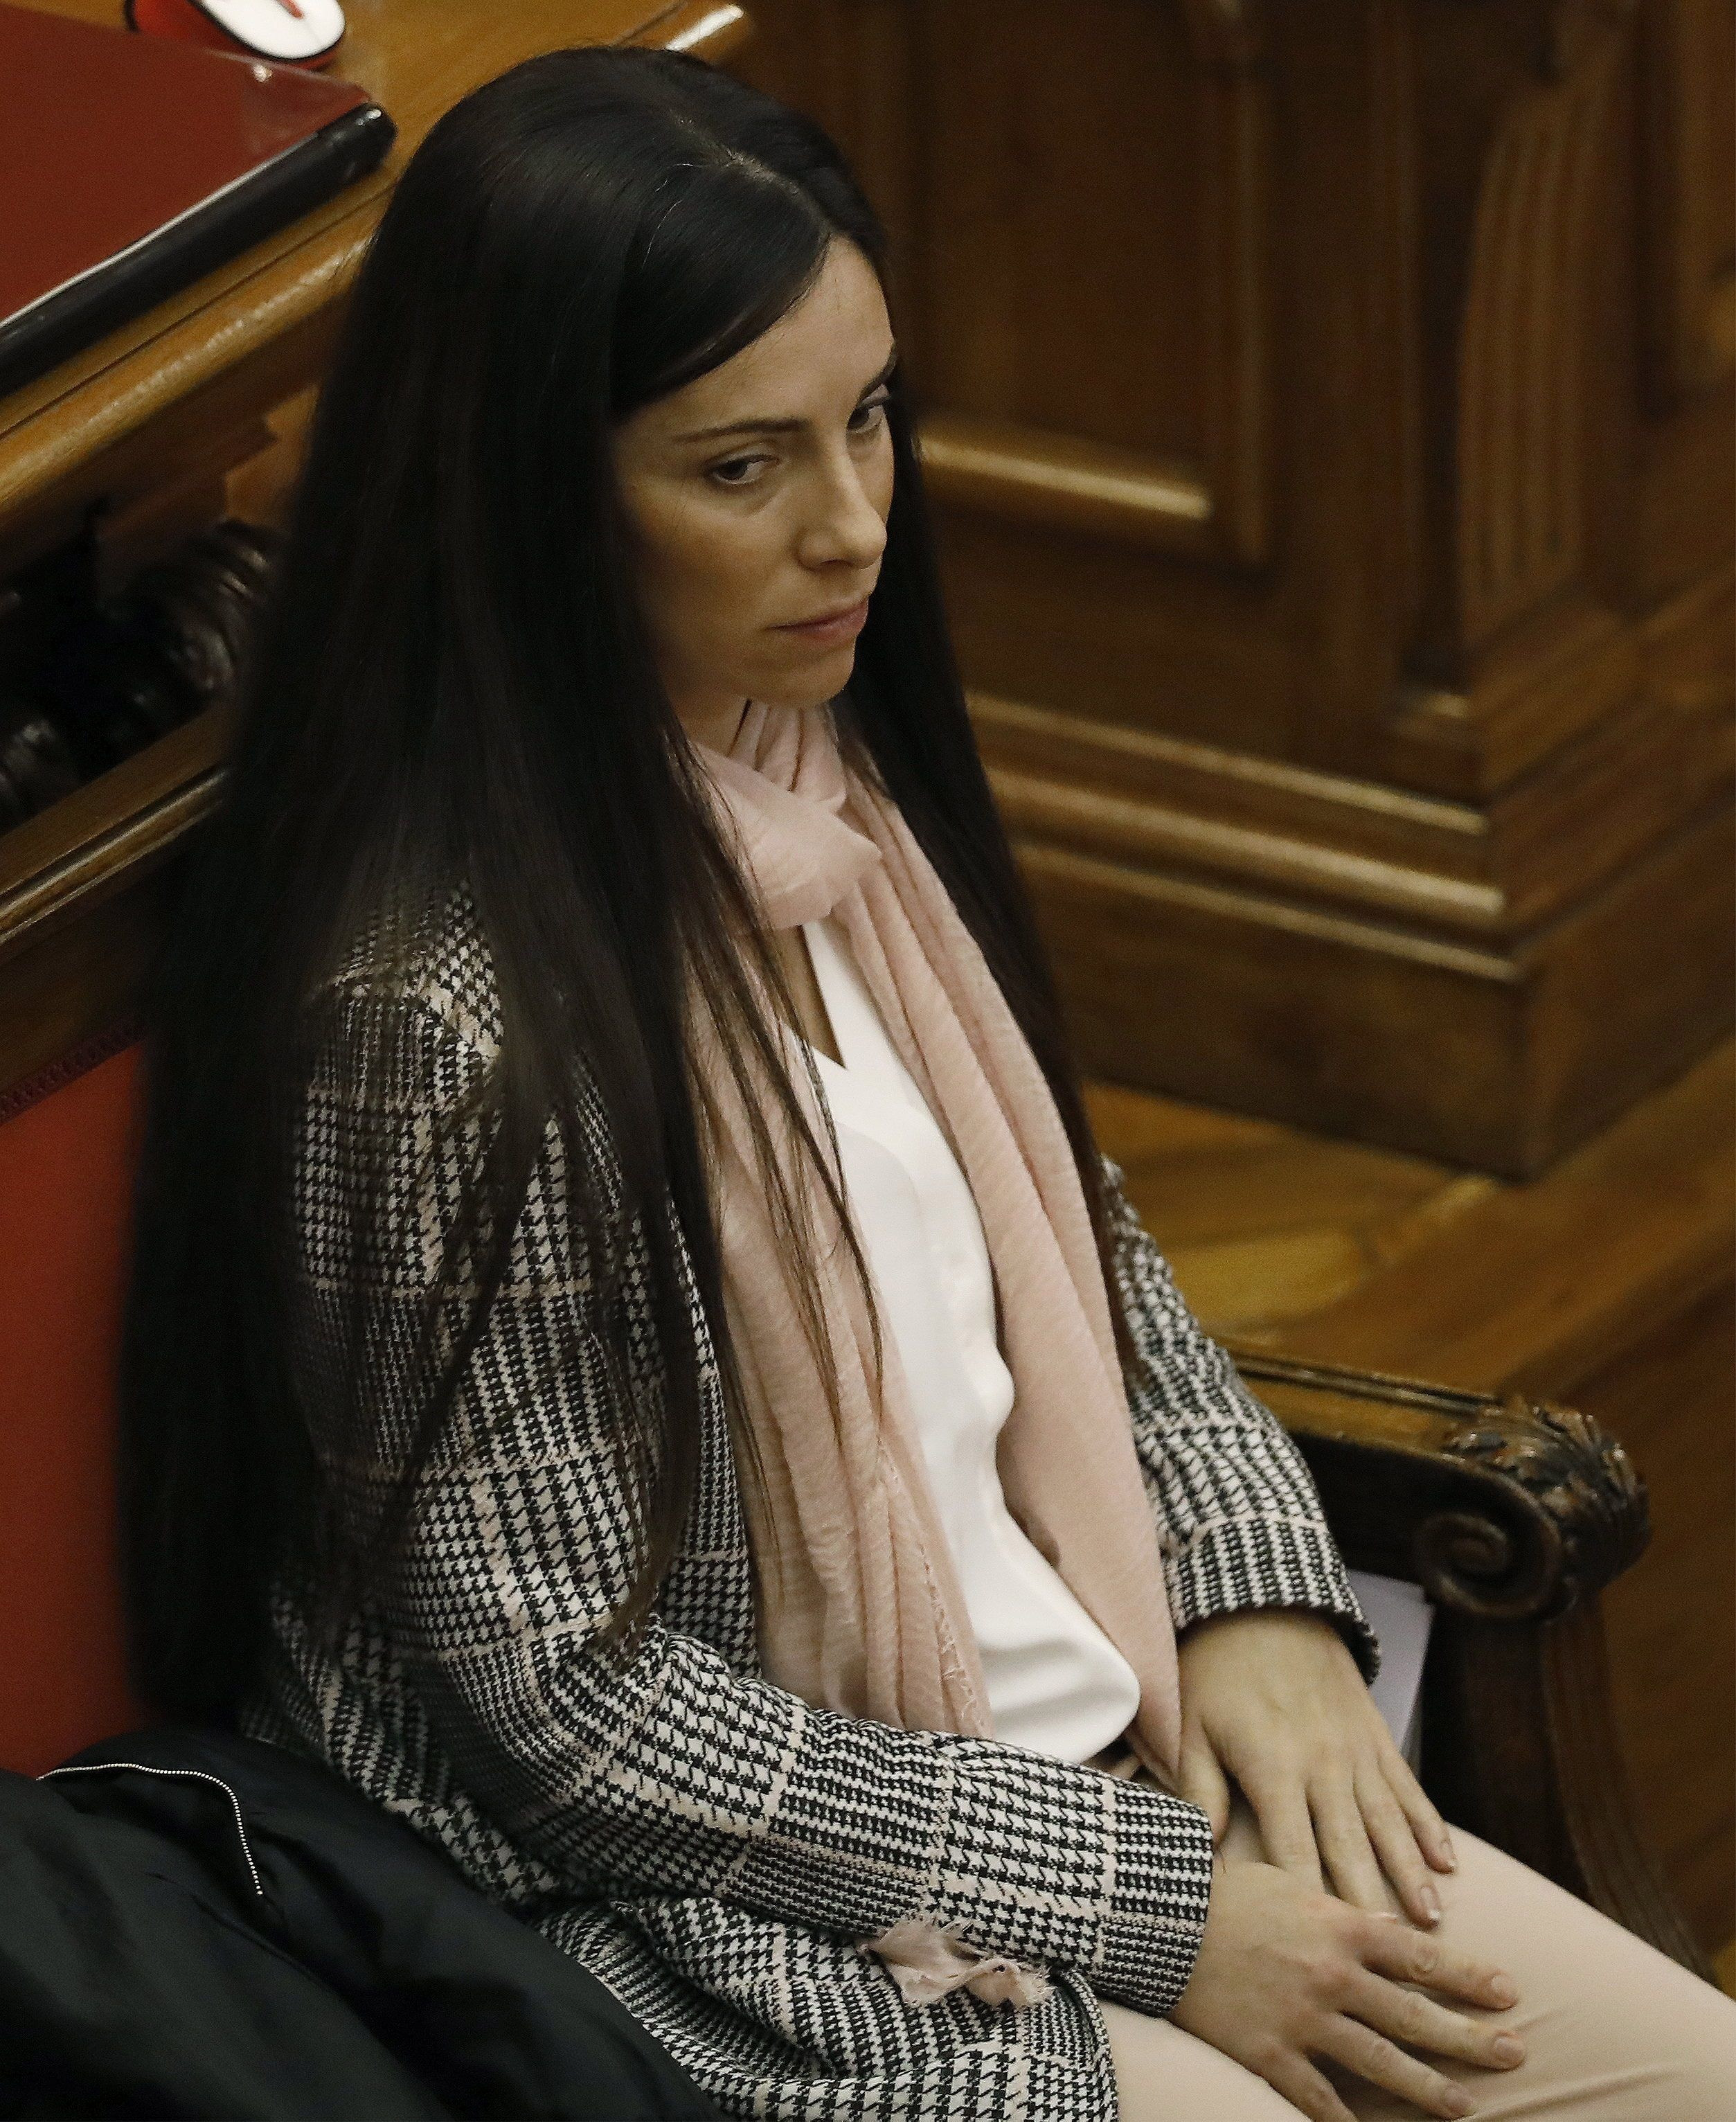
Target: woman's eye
871, 414
721, 472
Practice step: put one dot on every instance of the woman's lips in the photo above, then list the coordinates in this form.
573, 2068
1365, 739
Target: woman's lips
827, 632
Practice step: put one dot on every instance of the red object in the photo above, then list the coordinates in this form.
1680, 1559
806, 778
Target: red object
190, 24
66, 1184
120, 136
130, 166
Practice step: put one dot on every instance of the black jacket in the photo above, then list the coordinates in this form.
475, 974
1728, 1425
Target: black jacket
198, 1925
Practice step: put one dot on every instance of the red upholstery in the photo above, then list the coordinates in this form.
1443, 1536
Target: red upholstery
65, 1195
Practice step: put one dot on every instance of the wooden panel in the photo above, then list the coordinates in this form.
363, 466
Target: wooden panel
1365, 1030
1691, 196
1686, 475
1526, 299
1526, 341
1613, 1014
1064, 482
1460, 869
978, 129
1671, 1398
1032, 237
1160, 436
1133, 795
1550, 1282
1688, 468
1480, 688
1500, 1060
1073, 624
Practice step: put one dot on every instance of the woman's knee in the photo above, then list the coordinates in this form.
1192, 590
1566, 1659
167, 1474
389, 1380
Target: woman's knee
1599, 2000
1701, 2033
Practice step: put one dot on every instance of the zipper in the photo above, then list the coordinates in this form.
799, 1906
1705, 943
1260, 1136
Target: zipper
197, 1775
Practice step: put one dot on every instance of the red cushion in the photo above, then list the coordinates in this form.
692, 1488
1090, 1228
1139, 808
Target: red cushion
66, 1164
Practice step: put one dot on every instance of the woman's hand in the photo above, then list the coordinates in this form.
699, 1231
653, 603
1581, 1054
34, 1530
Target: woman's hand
1273, 1700
1287, 1973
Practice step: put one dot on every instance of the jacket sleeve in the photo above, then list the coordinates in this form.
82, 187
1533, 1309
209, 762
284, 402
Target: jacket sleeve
662, 1768
1238, 1516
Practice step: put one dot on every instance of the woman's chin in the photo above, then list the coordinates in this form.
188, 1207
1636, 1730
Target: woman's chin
810, 689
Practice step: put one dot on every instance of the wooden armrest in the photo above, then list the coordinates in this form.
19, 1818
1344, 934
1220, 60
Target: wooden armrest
1499, 1509
1512, 1517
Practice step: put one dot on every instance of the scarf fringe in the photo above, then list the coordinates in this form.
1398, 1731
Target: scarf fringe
928, 1961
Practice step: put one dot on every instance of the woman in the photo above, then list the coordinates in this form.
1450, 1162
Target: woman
635, 1357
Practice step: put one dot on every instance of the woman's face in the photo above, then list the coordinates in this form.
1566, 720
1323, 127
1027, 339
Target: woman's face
740, 534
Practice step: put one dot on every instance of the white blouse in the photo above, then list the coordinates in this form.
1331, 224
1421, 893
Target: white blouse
1056, 1682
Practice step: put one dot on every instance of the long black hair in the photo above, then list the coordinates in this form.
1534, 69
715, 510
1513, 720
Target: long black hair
453, 680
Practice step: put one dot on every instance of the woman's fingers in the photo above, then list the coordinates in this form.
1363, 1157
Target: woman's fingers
1279, 1805
1343, 1839
1299, 1986
1433, 1837
1396, 1845
1382, 2063
1409, 1956
1403, 2015
1201, 1781
1378, 2014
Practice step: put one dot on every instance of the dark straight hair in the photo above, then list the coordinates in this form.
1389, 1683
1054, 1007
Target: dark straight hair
452, 682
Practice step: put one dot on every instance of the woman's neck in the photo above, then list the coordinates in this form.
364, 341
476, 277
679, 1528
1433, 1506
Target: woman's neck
715, 727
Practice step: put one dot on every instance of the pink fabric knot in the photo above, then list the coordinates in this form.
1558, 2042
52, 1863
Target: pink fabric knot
802, 856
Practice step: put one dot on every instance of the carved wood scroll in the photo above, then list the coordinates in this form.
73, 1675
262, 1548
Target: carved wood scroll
1570, 1517
1500, 1509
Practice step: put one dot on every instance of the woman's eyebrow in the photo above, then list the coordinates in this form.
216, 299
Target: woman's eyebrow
783, 426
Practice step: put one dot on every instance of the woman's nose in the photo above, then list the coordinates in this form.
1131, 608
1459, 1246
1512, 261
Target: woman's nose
847, 524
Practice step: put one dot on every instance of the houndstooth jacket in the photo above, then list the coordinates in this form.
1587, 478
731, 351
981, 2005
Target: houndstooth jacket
710, 1846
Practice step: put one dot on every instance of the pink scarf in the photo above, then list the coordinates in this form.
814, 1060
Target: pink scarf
859, 1607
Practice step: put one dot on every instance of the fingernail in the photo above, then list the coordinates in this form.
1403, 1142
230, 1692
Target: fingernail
1503, 1991
1431, 1903
1449, 1854
1460, 2103
1509, 2050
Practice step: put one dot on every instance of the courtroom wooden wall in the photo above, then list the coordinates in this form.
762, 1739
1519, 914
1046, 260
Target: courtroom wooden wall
1331, 409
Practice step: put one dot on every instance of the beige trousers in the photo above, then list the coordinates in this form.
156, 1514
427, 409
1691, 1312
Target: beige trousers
1613, 2030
